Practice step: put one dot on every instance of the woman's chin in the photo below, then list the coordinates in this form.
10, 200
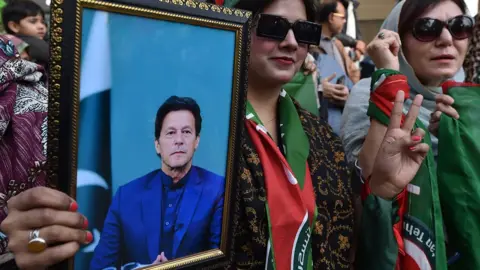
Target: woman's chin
284, 76
439, 75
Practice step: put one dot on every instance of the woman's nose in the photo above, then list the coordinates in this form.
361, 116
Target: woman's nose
290, 41
445, 37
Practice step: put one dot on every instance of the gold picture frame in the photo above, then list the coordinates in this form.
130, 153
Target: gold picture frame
65, 96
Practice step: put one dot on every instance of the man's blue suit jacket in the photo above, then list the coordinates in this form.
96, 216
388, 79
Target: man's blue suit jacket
131, 232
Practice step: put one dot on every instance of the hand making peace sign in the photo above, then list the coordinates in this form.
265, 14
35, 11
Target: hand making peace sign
401, 153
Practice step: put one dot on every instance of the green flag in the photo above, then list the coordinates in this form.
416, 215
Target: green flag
302, 89
459, 174
230, 3
2, 5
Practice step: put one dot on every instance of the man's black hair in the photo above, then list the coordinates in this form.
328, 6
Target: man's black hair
175, 103
324, 10
17, 10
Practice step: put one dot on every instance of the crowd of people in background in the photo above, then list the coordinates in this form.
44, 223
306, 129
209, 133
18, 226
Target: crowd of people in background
362, 157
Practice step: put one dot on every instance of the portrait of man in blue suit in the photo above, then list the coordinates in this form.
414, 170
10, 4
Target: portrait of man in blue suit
170, 212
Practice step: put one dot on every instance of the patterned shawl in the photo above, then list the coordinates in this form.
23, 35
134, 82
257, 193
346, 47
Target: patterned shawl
333, 229
23, 126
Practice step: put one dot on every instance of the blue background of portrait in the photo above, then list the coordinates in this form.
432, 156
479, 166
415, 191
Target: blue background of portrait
150, 60
168, 59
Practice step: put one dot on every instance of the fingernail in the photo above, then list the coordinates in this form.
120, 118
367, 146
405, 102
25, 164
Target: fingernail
85, 223
416, 138
89, 237
412, 148
73, 207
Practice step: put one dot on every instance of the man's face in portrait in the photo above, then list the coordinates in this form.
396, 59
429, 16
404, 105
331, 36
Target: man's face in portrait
178, 140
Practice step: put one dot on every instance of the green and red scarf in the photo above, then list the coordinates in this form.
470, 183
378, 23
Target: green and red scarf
290, 203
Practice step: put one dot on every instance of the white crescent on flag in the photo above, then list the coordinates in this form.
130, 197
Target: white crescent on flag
96, 238
90, 178
416, 258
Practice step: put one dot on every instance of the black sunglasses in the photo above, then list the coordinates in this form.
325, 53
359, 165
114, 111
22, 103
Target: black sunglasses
429, 29
276, 27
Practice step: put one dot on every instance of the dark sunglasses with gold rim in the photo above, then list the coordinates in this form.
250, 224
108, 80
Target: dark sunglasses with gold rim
276, 27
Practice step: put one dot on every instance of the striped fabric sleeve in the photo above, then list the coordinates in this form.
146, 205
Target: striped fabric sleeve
384, 87
379, 76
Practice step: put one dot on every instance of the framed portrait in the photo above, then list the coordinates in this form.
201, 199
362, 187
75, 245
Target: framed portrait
146, 107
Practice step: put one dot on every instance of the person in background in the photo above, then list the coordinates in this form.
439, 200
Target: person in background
333, 64
24, 18
351, 35
331, 15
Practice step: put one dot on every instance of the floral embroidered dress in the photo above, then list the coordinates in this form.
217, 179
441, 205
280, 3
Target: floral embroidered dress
23, 126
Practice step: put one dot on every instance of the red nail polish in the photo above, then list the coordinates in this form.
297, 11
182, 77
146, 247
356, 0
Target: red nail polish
89, 237
411, 148
73, 207
416, 138
85, 223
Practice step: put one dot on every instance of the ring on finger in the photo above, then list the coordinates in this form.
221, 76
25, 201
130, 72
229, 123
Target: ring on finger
381, 35
36, 244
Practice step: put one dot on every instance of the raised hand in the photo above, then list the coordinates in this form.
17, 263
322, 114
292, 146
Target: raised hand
401, 152
361, 46
309, 65
444, 105
384, 50
54, 215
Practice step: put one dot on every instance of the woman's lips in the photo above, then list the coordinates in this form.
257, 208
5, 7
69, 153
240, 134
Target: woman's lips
444, 57
283, 60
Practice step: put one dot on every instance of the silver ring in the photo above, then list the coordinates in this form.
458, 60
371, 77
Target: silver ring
381, 35
36, 244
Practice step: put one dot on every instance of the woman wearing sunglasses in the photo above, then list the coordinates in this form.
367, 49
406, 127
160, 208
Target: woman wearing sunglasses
421, 45
293, 202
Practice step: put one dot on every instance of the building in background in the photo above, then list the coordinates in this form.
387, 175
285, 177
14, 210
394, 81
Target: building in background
45, 4
371, 14
472, 6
